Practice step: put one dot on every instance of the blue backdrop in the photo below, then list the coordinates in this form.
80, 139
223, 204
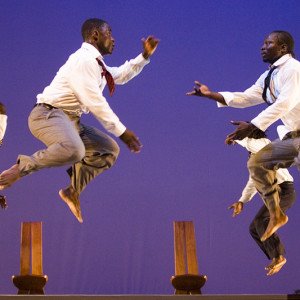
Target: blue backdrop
184, 171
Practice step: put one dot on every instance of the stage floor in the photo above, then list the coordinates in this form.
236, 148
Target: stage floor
150, 297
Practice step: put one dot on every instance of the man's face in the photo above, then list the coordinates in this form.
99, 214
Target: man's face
106, 42
271, 49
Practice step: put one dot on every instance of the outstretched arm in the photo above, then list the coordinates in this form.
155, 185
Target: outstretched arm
133, 67
202, 90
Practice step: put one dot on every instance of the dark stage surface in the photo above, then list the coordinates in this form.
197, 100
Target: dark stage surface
152, 297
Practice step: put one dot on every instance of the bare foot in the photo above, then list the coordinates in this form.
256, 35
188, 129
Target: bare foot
274, 225
70, 196
8, 177
3, 203
276, 265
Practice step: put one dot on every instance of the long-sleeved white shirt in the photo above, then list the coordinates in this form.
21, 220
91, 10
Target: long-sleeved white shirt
285, 96
253, 146
78, 85
3, 125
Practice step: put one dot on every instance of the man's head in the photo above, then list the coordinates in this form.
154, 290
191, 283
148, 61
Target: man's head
98, 33
277, 44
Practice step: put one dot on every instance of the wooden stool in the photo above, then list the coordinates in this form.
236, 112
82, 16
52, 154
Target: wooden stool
31, 245
187, 279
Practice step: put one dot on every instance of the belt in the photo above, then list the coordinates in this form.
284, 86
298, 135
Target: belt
46, 105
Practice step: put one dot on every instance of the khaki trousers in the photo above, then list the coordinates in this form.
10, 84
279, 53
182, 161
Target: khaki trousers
68, 142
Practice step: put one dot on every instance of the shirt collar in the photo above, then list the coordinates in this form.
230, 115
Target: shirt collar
92, 50
281, 60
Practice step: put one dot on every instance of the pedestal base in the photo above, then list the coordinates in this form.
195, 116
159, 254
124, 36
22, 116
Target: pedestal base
188, 283
30, 284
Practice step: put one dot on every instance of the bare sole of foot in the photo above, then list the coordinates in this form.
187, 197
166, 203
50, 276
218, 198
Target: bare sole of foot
276, 267
73, 203
8, 177
273, 227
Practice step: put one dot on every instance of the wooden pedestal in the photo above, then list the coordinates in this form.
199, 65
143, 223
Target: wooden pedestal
186, 279
31, 279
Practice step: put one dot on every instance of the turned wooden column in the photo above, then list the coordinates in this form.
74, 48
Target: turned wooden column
186, 279
31, 279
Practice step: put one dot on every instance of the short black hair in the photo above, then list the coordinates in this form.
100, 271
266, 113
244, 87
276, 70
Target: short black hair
89, 25
285, 37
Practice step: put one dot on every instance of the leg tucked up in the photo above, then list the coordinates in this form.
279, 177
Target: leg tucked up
262, 167
101, 154
60, 134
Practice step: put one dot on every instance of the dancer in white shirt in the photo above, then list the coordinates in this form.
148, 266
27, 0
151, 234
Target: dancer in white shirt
55, 119
272, 247
279, 88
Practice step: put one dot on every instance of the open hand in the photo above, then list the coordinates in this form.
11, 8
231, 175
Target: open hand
200, 90
237, 208
149, 45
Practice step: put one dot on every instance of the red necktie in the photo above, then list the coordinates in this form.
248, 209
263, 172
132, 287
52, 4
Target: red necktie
108, 77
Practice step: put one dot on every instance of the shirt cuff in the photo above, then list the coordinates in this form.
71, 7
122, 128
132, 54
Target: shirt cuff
141, 60
119, 129
256, 123
243, 200
228, 97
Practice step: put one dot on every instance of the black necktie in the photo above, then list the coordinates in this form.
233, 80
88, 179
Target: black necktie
267, 84
108, 77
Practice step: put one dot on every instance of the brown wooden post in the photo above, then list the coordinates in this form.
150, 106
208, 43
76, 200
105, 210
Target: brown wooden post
25, 248
36, 246
31, 279
186, 279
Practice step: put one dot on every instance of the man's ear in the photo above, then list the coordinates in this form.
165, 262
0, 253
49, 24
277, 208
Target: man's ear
284, 48
95, 35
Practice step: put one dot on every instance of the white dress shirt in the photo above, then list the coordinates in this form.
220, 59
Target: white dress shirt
3, 125
78, 85
285, 96
253, 146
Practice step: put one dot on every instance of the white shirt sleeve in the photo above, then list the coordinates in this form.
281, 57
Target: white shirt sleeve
128, 70
250, 97
85, 80
248, 192
3, 125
